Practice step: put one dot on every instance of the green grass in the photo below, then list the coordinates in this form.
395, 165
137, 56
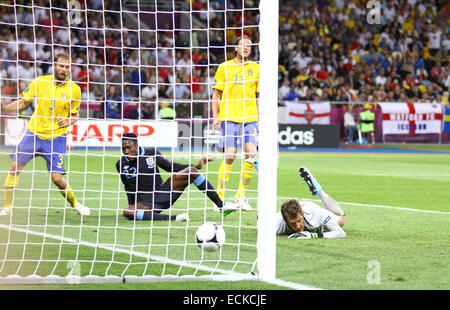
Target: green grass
410, 247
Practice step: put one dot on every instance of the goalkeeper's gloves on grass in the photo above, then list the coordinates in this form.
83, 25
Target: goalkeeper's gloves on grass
304, 235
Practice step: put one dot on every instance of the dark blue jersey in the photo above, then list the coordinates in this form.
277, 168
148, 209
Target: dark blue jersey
142, 176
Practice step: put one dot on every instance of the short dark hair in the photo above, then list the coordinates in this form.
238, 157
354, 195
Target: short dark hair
291, 208
62, 55
130, 136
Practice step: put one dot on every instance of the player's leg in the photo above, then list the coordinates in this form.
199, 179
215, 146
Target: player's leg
11, 182
183, 178
225, 171
67, 192
54, 154
250, 163
247, 169
180, 180
23, 154
328, 202
228, 144
141, 211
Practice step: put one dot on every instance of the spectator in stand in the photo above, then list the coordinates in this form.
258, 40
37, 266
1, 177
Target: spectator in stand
178, 91
112, 105
330, 39
284, 89
164, 71
350, 124
292, 94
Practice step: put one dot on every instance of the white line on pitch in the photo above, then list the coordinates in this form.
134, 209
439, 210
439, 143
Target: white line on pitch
285, 198
112, 248
376, 206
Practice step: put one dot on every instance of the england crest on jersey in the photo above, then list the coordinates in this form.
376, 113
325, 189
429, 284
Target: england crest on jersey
150, 162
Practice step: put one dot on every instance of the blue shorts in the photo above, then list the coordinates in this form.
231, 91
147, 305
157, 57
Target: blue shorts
233, 132
53, 151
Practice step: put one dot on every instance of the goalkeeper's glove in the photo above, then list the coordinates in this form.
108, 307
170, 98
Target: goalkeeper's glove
304, 235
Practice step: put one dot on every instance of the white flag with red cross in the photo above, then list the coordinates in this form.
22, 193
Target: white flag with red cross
308, 113
411, 118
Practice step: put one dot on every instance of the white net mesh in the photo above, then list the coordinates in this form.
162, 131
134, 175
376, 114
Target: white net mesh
132, 60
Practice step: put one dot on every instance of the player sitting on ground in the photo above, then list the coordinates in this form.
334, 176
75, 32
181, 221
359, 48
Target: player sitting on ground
57, 105
305, 219
147, 194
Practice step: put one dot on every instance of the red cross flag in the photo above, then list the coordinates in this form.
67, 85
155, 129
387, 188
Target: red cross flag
308, 113
411, 118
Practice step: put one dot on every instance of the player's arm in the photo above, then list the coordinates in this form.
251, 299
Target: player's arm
131, 194
257, 107
66, 122
218, 88
28, 96
334, 230
15, 106
217, 95
257, 96
202, 163
168, 165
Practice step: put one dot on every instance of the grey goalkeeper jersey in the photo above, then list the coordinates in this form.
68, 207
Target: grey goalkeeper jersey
316, 219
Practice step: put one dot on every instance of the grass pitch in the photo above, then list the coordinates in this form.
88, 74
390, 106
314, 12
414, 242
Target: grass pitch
397, 208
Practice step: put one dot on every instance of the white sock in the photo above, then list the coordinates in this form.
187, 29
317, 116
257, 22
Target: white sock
330, 204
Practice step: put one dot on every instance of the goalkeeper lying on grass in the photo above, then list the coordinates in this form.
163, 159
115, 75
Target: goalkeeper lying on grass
306, 219
147, 194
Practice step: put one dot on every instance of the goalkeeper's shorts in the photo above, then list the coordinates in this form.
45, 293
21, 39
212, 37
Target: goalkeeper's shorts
53, 151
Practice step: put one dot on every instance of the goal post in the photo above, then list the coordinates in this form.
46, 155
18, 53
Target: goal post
132, 60
268, 141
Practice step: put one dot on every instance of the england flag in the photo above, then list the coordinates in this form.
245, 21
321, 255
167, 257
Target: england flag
411, 118
308, 113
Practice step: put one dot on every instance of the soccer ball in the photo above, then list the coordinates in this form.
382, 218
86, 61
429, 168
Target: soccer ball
210, 236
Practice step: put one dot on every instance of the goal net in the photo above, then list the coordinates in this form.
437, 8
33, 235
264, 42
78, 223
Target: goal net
145, 67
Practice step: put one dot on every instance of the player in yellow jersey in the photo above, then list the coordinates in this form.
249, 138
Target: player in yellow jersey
57, 105
235, 106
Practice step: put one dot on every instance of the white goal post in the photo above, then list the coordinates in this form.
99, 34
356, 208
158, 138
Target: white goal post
132, 59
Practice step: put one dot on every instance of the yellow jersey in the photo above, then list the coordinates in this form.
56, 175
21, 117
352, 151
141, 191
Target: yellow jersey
52, 101
239, 84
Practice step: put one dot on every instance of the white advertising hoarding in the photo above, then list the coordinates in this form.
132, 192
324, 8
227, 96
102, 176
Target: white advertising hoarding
106, 133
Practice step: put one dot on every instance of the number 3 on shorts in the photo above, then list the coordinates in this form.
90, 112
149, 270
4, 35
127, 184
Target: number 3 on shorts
61, 161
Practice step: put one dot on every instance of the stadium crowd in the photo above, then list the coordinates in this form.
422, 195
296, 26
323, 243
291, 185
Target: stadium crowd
327, 52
